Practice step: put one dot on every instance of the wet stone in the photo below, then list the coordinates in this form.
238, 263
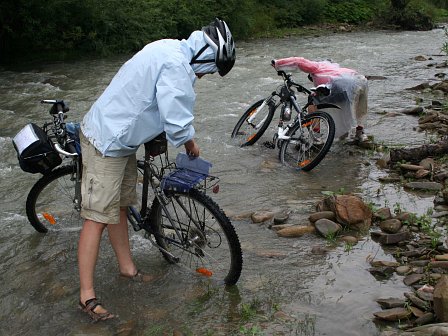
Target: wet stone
402, 270
426, 296
349, 240
424, 319
295, 231
412, 279
281, 218
391, 238
327, 227
320, 250
417, 301
391, 225
432, 186
393, 314
382, 214
322, 214
441, 257
391, 303
262, 216
416, 311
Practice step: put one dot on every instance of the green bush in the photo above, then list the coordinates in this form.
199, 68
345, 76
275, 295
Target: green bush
354, 12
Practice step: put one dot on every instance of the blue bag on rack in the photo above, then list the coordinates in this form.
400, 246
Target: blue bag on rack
189, 173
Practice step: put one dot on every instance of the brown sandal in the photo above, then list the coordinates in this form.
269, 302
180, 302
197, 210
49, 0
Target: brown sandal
139, 277
89, 308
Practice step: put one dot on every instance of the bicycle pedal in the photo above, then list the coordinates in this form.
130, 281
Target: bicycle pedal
269, 144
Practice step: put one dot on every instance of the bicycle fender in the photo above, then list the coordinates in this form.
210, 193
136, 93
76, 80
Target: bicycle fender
326, 105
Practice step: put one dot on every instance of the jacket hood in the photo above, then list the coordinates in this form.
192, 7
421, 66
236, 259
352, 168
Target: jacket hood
192, 46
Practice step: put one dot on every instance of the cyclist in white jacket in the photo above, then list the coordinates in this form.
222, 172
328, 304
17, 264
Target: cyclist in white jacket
151, 93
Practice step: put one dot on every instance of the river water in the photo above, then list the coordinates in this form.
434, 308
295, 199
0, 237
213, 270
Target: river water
284, 288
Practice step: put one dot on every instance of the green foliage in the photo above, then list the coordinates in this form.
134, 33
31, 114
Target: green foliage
100, 27
355, 11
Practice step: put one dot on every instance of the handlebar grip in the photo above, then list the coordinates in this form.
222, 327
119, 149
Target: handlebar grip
273, 62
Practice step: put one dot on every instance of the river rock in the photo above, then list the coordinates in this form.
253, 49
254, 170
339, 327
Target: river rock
425, 319
391, 303
402, 270
441, 257
296, 231
392, 225
280, 226
415, 110
262, 216
421, 173
441, 299
349, 240
433, 186
322, 214
416, 311
350, 210
326, 227
393, 314
281, 218
382, 214
320, 250
428, 163
412, 279
422, 304
390, 238
411, 167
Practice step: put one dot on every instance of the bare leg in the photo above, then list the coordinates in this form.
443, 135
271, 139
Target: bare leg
88, 248
119, 238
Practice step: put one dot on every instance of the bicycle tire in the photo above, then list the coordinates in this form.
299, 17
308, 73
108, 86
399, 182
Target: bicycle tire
243, 132
49, 204
213, 251
309, 143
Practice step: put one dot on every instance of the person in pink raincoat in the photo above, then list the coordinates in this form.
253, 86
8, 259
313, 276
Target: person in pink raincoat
348, 88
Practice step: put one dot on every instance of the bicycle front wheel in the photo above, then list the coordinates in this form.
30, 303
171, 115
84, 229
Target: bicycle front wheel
197, 234
50, 202
309, 141
253, 123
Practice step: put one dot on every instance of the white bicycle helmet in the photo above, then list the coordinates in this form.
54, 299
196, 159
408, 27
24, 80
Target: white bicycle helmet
219, 38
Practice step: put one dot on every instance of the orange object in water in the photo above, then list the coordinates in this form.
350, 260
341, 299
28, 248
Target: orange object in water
49, 218
304, 163
204, 271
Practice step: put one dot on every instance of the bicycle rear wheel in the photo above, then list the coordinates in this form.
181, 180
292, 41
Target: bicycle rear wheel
208, 244
309, 143
247, 133
50, 202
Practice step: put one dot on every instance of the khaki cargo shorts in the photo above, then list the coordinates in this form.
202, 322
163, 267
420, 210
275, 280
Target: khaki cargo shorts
108, 183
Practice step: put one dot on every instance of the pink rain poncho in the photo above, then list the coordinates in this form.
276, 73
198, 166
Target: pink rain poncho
348, 90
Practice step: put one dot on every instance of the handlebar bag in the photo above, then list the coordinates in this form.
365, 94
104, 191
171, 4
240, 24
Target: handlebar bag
35, 150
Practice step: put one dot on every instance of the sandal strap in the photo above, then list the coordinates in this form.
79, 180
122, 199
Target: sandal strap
91, 304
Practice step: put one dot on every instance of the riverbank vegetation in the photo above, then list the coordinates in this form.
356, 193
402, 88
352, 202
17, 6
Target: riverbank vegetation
57, 29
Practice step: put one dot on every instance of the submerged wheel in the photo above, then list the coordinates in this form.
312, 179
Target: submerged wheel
50, 202
208, 244
245, 133
309, 143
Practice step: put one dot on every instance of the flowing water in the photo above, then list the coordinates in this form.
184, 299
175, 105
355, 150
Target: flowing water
284, 288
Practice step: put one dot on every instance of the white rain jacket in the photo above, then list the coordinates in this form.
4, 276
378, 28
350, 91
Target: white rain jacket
151, 93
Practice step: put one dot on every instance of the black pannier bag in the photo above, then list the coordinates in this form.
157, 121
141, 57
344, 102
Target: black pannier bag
35, 150
156, 146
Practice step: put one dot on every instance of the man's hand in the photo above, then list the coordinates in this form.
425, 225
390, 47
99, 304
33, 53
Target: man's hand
192, 148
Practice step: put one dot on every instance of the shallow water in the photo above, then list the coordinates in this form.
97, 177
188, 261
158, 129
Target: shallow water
330, 294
